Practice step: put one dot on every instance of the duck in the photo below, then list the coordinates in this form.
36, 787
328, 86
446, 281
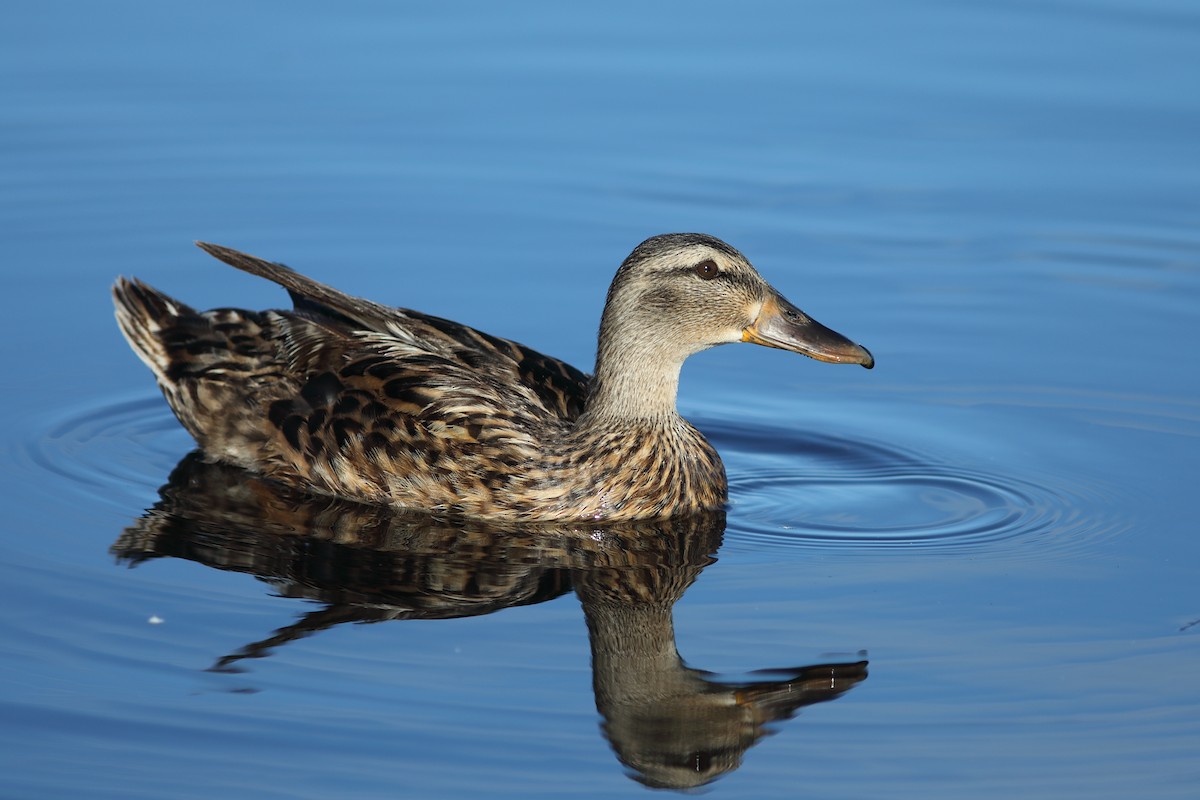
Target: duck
345, 397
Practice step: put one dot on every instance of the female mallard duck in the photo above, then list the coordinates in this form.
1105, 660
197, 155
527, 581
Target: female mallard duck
346, 397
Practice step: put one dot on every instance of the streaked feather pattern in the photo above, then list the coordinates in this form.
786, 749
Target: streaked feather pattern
347, 397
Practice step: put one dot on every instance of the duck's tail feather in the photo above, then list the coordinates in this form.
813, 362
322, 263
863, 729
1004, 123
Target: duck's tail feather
213, 367
177, 342
145, 315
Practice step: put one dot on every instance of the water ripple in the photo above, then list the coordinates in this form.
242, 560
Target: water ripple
823, 492
788, 488
118, 452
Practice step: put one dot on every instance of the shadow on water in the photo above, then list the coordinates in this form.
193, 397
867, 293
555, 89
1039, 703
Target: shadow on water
673, 726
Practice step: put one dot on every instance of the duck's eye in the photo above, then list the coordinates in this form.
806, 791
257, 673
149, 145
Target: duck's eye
707, 269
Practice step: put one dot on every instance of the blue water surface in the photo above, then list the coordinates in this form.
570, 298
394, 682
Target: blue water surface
999, 200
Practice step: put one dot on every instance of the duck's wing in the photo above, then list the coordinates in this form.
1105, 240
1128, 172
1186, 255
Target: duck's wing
557, 386
350, 398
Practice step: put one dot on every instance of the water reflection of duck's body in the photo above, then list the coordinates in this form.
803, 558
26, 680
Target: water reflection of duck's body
346, 397
671, 724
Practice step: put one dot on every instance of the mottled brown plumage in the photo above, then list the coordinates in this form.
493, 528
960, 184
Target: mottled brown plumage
346, 397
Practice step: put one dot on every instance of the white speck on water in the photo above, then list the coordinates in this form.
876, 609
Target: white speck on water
155, 619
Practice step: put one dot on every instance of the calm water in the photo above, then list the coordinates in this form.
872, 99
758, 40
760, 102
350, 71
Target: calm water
972, 572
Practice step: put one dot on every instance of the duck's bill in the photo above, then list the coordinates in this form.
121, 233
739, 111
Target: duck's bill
780, 324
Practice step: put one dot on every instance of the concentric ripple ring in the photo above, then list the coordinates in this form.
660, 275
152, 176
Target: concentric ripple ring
822, 492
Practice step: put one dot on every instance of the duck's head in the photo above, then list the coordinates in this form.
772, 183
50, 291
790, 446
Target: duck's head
680, 293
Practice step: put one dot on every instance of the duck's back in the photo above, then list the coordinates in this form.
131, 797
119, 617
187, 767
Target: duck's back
349, 397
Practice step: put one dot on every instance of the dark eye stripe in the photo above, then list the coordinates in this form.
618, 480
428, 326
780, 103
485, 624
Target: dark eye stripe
707, 269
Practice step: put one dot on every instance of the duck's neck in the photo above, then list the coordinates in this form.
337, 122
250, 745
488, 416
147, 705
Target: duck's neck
633, 383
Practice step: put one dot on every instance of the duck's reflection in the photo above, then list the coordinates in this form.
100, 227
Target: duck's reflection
672, 725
